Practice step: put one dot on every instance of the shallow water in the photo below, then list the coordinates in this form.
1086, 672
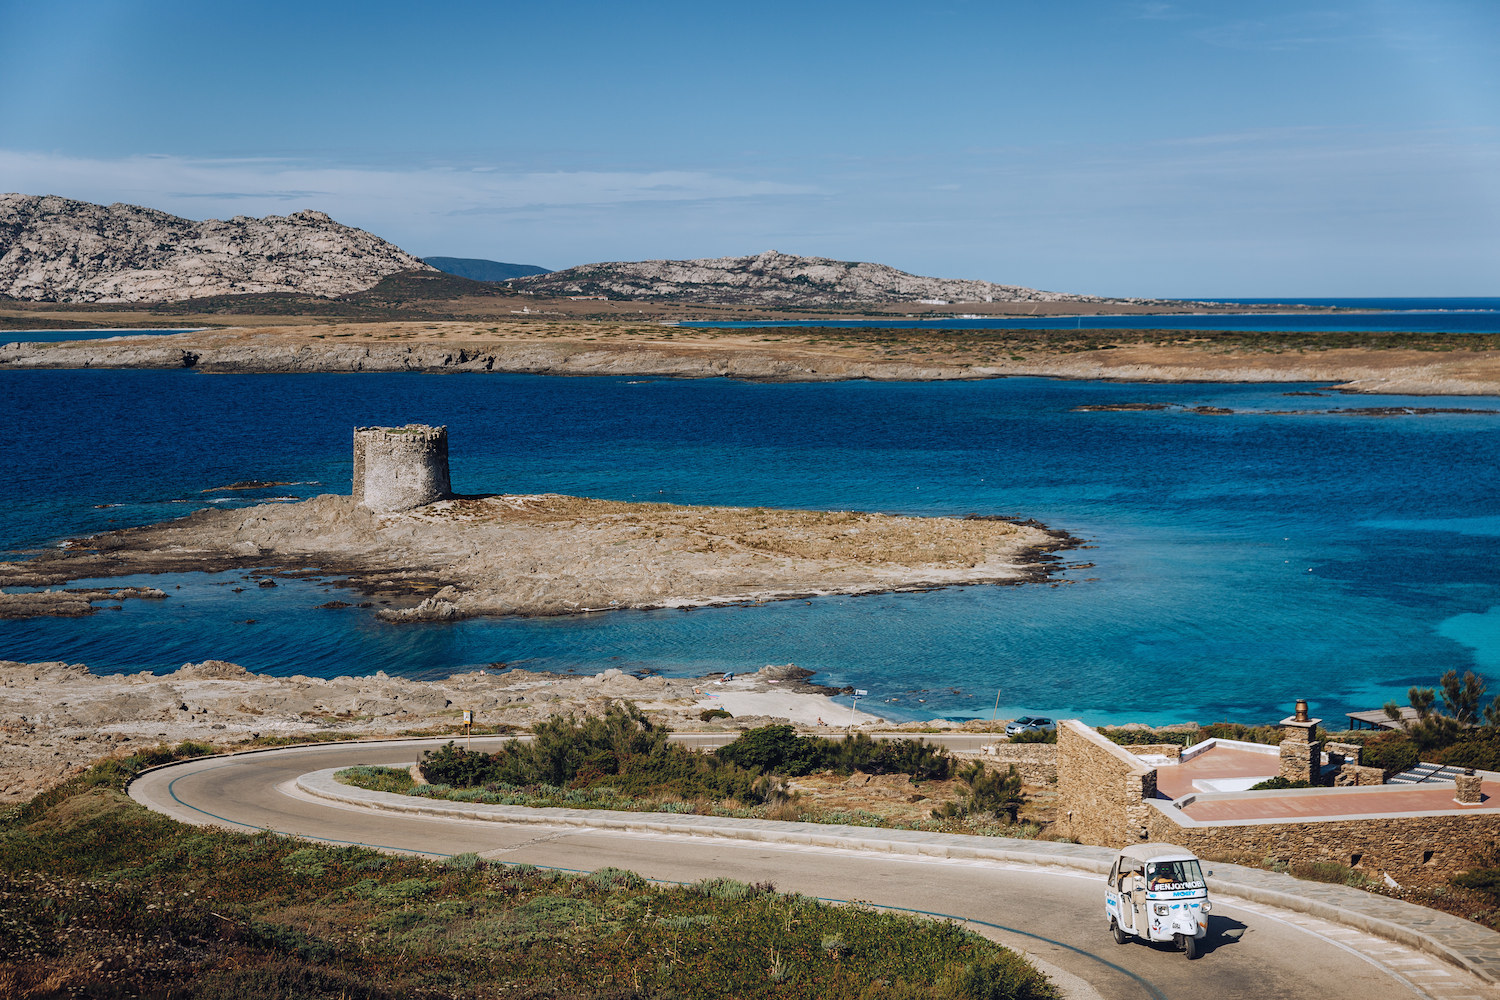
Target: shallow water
1240, 561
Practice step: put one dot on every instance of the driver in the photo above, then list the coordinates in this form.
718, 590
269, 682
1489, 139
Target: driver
1159, 875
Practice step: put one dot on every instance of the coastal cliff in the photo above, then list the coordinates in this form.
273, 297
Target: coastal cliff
772, 279
58, 250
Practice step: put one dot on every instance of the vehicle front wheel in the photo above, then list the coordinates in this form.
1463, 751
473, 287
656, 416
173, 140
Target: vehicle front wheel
1119, 932
1190, 945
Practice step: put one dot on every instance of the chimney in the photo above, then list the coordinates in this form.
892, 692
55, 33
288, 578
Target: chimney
1301, 755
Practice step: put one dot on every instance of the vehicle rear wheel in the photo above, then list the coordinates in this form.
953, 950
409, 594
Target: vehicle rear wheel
1190, 945
1119, 932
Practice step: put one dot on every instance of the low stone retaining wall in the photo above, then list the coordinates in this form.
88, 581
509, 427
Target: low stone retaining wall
1036, 763
1415, 849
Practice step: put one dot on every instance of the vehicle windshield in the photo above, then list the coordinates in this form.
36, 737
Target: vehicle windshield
1174, 875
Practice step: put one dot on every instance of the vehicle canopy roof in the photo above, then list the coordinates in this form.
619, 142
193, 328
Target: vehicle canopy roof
1157, 852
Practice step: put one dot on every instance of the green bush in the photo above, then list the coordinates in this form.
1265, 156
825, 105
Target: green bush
991, 793
779, 750
1138, 737
1035, 736
1392, 752
1481, 880
1270, 735
1007, 977
621, 749
775, 748
1476, 748
1280, 782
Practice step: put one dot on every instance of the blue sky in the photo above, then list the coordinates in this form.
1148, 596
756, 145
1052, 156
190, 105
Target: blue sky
1120, 148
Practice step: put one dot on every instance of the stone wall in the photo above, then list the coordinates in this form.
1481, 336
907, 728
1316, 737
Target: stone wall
1102, 789
400, 468
1035, 762
1415, 850
1172, 751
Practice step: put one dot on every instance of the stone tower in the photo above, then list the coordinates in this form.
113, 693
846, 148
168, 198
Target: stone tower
398, 468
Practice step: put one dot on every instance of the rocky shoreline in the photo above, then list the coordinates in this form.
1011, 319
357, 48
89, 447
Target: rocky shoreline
553, 555
56, 718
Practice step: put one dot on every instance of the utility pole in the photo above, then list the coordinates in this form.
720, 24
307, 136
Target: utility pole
858, 694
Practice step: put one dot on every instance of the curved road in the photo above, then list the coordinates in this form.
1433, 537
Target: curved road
1253, 951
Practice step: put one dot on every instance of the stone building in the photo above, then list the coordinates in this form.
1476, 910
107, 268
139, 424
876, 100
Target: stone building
1201, 798
400, 468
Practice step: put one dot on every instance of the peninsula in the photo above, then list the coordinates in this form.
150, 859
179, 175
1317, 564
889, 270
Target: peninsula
1412, 364
555, 555
403, 535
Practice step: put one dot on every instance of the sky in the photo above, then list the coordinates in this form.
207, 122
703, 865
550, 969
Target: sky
1116, 148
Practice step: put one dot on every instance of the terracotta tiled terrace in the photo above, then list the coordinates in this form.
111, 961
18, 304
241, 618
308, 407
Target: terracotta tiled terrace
1216, 764
1377, 800
1214, 779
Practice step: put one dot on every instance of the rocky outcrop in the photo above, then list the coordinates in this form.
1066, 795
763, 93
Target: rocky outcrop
68, 603
58, 250
772, 279
528, 358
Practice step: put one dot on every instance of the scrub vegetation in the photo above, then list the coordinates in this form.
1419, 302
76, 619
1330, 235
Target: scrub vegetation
994, 344
101, 897
1187, 735
622, 760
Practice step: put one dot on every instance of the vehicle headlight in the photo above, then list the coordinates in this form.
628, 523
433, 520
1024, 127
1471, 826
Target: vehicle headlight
1162, 909
1206, 908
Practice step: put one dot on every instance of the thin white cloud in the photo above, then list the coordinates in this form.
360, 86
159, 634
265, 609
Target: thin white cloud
1153, 11
1299, 29
206, 187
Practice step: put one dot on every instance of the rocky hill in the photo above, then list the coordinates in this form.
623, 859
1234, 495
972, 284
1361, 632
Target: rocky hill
771, 279
57, 250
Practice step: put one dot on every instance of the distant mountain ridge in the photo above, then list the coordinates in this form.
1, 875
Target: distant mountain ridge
773, 278
479, 269
59, 250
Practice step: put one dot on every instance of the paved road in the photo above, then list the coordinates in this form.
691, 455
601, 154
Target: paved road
1253, 951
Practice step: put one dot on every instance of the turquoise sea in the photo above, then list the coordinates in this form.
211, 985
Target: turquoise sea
35, 336
1238, 561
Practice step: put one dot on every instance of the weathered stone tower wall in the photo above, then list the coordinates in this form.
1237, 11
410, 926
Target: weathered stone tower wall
398, 468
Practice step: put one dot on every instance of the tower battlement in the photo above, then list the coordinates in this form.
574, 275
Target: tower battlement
399, 468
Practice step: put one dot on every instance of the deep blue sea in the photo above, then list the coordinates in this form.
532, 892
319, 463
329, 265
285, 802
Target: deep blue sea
1239, 562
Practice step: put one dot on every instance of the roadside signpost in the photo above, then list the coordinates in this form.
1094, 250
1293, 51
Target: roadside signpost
858, 694
468, 722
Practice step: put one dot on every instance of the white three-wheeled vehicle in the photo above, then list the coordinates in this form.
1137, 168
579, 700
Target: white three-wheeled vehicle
1156, 892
